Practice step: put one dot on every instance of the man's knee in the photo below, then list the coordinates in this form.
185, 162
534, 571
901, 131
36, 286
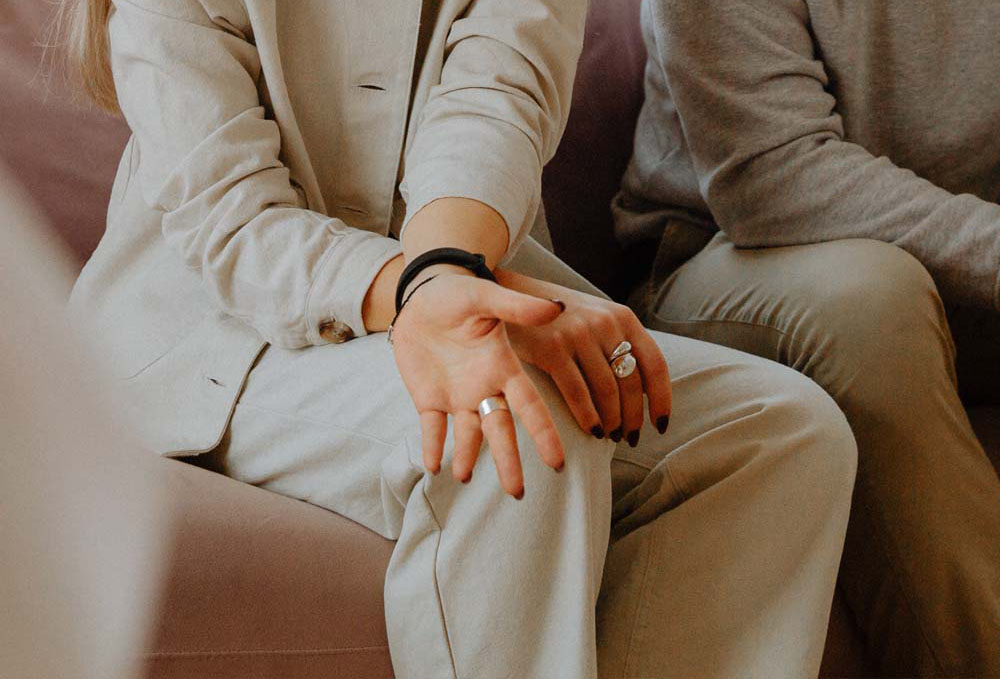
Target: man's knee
871, 280
873, 318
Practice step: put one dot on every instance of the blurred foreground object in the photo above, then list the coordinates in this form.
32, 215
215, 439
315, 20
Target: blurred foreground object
81, 514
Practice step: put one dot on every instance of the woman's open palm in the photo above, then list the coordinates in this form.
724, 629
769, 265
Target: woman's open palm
451, 348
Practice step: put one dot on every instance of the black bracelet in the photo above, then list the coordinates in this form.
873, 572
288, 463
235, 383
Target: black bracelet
476, 263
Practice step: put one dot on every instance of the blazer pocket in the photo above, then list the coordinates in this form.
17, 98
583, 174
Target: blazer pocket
181, 402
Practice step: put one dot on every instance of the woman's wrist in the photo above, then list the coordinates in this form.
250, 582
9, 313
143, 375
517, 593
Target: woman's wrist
377, 309
447, 222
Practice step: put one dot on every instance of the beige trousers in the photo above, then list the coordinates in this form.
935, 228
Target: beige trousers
725, 533
921, 567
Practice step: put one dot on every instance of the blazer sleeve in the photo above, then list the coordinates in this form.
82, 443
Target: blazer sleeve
769, 150
208, 159
501, 106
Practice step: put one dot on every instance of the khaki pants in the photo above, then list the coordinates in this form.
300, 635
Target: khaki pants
725, 533
921, 567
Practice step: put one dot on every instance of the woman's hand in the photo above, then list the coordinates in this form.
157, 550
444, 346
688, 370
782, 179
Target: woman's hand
451, 348
574, 351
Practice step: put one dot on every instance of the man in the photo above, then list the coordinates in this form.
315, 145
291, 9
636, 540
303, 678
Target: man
866, 137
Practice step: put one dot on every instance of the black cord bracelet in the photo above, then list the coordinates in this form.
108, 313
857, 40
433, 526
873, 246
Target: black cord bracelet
476, 263
401, 306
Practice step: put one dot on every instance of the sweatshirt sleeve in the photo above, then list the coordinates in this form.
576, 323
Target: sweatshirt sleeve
500, 108
208, 160
769, 151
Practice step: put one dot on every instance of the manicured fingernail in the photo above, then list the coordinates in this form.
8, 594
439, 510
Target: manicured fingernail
633, 438
662, 423
467, 478
562, 304
562, 465
519, 495
597, 431
616, 435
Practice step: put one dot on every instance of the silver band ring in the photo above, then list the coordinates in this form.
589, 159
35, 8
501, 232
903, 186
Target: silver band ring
623, 366
492, 403
622, 349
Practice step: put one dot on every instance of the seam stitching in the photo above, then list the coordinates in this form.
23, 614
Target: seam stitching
638, 606
437, 582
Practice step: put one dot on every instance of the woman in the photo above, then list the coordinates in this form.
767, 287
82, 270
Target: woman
288, 161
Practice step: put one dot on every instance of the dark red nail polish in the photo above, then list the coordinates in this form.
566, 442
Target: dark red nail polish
467, 478
616, 435
662, 423
633, 438
520, 495
597, 431
562, 465
562, 304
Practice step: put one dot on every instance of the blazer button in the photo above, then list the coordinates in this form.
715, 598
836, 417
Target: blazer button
335, 332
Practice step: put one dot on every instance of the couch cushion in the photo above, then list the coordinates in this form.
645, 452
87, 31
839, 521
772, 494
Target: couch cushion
261, 585
586, 172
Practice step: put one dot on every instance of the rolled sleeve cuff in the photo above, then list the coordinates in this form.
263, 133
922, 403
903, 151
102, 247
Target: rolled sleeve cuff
509, 182
338, 291
443, 179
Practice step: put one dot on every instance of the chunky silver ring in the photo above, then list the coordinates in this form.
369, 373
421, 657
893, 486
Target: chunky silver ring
491, 403
622, 349
623, 366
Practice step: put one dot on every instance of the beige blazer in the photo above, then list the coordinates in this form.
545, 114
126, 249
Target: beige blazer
276, 148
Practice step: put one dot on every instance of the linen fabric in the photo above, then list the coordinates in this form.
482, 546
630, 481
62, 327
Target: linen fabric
711, 551
275, 148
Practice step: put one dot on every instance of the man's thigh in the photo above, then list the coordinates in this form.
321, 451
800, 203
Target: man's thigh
838, 311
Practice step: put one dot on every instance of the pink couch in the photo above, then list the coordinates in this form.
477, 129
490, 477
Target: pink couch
262, 585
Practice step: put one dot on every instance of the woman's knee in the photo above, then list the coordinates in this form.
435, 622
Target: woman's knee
802, 429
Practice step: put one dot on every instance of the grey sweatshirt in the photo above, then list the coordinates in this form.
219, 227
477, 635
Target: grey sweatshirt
799, 121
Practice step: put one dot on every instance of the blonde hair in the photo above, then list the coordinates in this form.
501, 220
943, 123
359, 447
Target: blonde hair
79, 34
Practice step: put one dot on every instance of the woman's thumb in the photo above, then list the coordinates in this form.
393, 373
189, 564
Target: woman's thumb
518, 308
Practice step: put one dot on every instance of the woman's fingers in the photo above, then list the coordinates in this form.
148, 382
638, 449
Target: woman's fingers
433, 429
468, 441
569, 380
524, 398
631, 396
516, 307
655, 376
603, 387
498, 427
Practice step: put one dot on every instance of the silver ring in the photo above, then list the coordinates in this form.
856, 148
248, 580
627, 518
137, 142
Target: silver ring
623, 366
491, 403
622, 349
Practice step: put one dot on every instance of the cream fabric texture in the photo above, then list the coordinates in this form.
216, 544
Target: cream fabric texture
275, 148
711, 551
